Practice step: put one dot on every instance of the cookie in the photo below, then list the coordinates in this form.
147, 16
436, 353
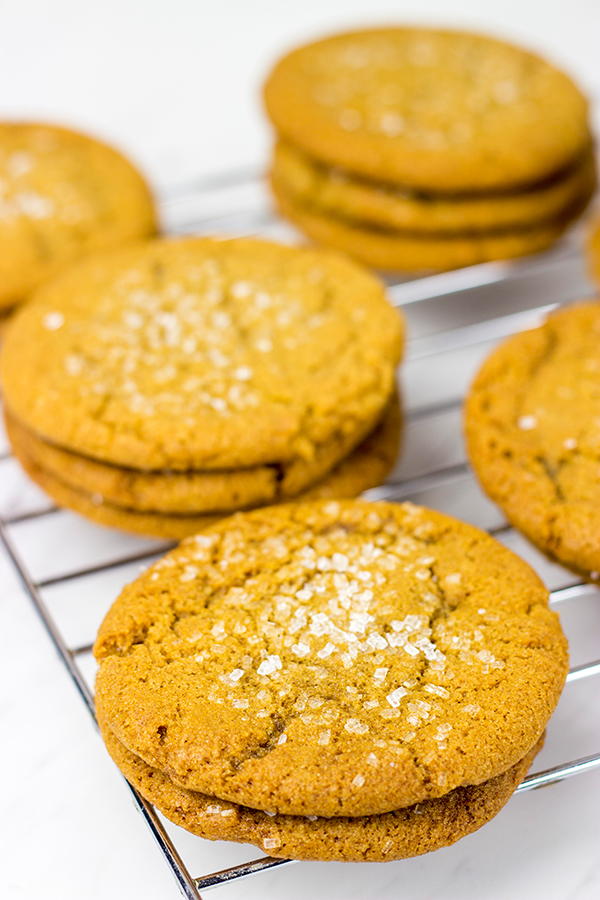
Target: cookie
63, 195
379, 838
365, 467
532, 424
428, 108
333, 192
264, 660
200, 353
398, 251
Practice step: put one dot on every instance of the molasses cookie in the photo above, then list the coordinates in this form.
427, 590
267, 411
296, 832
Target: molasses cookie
199, 376
427, 108
425, 149
533, 433
199, 353
63, 195
267, 660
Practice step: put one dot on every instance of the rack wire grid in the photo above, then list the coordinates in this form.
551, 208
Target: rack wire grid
454, 319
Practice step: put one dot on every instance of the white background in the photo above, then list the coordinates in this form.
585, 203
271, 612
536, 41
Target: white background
176, 85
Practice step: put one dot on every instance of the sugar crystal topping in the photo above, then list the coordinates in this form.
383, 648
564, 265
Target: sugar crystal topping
343, 644
420, 87
178, 334
47, 176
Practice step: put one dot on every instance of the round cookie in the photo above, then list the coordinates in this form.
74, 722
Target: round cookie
332, 192
532, 424
425, 108
367, 466
395, 251
63, 195
380, 838
264, 660
200, 353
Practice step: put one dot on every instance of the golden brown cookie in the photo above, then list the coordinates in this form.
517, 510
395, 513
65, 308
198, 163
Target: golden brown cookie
379, 838
333, 192
63, 195
428, 108
533, 433
264, 660
200, 353
399, 251
365, 467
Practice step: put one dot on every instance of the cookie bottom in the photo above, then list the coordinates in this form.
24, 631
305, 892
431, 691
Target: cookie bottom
366, 467
396, 251
400, 834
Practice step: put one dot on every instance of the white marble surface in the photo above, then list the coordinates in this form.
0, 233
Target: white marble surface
175, 84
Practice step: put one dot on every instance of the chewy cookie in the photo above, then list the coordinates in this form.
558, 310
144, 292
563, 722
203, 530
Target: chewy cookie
533, 433
415, 148
428, 108
272, 659
402, 833
198, 376
63, 195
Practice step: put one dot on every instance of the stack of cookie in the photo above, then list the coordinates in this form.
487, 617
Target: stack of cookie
533, 434
331, 680
161, 386
63, 195
412, 148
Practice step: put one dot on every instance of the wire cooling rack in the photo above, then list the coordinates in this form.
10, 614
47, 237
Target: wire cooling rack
454, 319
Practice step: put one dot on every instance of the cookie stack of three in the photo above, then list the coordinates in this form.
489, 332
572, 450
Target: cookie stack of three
331, 680
415, 148
159, 387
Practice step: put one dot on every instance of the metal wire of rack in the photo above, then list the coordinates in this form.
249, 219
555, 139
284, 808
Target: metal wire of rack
453, 319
